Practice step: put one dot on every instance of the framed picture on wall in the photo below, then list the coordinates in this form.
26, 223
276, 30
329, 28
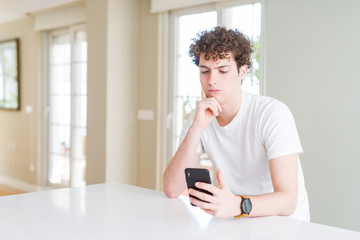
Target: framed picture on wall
9, 75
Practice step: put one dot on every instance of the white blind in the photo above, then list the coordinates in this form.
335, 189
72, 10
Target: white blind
166, 5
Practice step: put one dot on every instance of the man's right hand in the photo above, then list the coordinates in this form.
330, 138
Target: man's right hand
207, 109
187, 155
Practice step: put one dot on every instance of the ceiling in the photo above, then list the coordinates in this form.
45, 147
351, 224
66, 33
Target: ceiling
11, 10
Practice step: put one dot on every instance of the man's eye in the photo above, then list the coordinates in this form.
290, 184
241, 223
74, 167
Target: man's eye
204, 72
224, 71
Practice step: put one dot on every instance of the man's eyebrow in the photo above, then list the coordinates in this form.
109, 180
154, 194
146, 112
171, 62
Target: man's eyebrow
222, 66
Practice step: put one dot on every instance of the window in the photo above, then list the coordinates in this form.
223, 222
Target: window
9, 74
247, 18
188, 88
66, 104
185, 89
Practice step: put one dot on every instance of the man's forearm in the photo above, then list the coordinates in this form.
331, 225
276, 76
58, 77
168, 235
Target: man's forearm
186, 156
276, 203
284, 176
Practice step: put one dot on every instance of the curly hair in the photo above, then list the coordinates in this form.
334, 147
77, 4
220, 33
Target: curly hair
219, 43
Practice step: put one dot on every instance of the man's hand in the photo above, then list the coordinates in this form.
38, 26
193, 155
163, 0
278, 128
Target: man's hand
222, 204
207, 109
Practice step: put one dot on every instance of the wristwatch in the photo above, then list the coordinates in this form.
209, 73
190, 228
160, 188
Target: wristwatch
245, 207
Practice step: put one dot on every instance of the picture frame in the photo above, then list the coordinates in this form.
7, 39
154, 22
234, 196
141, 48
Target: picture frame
10, 74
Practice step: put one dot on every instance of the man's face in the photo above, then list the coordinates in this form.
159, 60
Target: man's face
220, 78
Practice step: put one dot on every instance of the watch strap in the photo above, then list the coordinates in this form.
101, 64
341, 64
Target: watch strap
242, 214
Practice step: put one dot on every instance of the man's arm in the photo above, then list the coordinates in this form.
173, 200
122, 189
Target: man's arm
223, 203
284, 175
187, 155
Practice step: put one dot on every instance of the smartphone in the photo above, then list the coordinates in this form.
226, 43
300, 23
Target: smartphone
194, 175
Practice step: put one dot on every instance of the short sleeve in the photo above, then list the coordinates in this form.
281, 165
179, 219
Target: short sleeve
278, 131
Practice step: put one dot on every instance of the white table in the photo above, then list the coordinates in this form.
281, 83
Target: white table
119, 211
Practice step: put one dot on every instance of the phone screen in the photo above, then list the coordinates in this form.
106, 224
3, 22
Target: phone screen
194, 175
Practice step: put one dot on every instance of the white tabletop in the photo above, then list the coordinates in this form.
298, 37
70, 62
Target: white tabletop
119, 211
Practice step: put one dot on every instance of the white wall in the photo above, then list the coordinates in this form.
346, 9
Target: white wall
97, 86
18, 128
112, 27
313, 61
122, 78
147, 94
122, 82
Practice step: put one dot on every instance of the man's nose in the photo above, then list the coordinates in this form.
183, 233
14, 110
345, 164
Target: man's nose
213, 78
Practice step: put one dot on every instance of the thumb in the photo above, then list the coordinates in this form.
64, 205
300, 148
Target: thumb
221, 179
203, 94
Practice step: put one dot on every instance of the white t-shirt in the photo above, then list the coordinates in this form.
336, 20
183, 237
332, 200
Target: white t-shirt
263, 129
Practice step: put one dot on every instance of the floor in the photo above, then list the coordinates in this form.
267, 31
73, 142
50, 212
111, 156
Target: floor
6, 190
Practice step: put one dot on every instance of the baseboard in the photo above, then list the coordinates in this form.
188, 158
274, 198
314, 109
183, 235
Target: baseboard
20, 185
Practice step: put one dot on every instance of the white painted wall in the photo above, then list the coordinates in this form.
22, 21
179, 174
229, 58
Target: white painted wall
122, 82
96, 12
112, 27
313, 61
18, 129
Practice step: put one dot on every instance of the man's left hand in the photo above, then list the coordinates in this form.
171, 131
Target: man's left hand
223, 203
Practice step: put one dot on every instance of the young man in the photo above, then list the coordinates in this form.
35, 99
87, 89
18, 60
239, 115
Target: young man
252, 140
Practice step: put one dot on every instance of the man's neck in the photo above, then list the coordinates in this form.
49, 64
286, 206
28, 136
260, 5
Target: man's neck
230, 109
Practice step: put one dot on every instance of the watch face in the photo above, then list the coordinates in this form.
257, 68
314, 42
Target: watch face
246, 206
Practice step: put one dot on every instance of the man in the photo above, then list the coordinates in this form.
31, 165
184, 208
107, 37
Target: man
251, 139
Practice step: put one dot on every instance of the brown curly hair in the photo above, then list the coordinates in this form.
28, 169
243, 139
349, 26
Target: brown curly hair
218, 43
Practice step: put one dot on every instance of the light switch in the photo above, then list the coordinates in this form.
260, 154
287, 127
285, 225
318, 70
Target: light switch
28, 109
32, 167
146, 115
12, 147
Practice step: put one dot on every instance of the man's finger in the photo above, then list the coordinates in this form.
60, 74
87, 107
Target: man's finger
218, 105
201, 195
214, 109
221, 180
207, 187
203, 94
211, 212
209, 105
201, 204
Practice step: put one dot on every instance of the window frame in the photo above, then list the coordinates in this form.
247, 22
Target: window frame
71, 30
168, 79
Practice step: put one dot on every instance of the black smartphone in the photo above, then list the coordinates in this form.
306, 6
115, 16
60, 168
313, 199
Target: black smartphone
194, 175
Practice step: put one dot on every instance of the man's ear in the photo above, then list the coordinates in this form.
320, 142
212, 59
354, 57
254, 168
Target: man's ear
243, 71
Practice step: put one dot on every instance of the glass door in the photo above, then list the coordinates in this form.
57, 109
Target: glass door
66, 107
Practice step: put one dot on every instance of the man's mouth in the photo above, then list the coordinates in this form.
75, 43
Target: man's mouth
213, 91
